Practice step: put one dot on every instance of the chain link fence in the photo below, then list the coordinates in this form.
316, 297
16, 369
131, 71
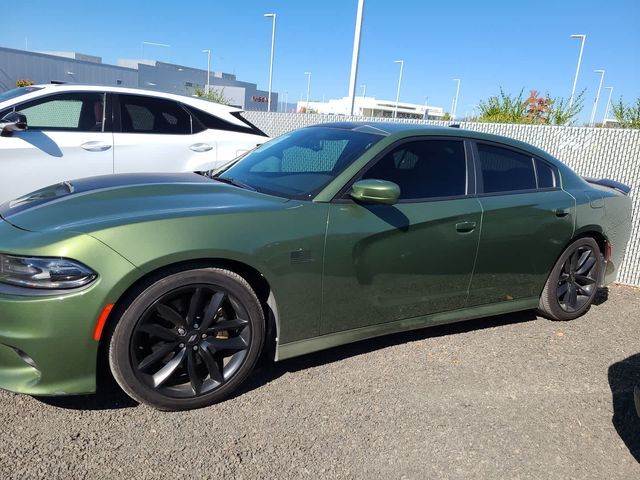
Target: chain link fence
591, 152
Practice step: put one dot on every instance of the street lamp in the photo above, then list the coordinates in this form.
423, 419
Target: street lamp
454, 106
595, 104
208, 52
575, 80
426, 108
364, 90
606, 111
395, 111
273, 40
308, 74
355, 56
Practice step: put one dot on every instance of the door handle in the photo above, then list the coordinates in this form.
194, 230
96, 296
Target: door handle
562, 212
96, 146
465, 227
200, 147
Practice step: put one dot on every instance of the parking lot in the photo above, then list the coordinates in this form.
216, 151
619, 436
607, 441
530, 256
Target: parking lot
513, 396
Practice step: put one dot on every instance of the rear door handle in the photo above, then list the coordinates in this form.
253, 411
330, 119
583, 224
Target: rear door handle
465, 227
96, 146
200, 147
562, 212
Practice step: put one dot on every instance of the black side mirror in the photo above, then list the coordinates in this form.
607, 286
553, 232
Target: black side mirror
13, 122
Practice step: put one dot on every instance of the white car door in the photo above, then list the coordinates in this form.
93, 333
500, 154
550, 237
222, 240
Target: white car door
155, 135
65, 139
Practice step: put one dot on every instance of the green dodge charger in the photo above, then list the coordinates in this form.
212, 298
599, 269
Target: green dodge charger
326, 235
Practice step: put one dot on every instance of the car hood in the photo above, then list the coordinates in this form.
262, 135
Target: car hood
91, 203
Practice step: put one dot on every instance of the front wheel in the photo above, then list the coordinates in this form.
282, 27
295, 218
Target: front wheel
188, 340
573, 282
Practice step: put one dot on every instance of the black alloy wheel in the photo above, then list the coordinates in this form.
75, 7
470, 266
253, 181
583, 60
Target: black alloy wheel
577, 281
188, 340
573, 281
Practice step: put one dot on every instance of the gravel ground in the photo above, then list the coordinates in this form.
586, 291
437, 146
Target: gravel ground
504, 397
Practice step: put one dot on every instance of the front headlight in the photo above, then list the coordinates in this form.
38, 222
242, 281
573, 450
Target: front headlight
42, 272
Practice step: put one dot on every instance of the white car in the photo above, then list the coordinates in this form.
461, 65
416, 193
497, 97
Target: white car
75, 131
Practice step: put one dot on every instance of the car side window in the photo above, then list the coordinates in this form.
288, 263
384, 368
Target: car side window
141, 114
505, 170
424, 169
80, 112
545, 174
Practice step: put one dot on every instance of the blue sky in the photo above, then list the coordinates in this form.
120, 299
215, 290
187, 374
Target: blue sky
488, 44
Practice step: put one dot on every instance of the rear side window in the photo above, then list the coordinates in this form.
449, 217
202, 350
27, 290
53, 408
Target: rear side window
81, 112
424, 169
546, 175
505, 170
206, 120
140, 114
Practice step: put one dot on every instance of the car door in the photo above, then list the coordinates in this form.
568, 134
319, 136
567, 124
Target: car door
158, 135
67, 138
527, 222
392, 262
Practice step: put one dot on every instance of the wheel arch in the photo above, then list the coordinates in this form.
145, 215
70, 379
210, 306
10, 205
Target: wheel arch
256, 280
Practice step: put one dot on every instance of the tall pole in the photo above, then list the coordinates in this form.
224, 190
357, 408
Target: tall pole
364, 90
355, 56
575, 80
595, 104
426, 108
395, 111
286, 100
606, 111
273, 42
308, 74
455, 100
208, 52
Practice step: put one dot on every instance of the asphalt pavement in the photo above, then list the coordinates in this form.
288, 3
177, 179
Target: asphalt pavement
504, 397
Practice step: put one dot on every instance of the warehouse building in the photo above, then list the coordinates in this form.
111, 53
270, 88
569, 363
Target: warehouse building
73, 67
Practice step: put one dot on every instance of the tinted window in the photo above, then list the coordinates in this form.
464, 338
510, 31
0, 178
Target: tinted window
16, 92
82, 112
206, 120
140, 114
546, 175
424, 169
301, 163
505, 170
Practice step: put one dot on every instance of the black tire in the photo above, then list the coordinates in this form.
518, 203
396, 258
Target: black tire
573, 283
201, 331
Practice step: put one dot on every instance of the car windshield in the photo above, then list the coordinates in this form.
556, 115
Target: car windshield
301, 163
16, 92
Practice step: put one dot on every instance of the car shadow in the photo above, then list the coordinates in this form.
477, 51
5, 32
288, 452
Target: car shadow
268, 370
623, 376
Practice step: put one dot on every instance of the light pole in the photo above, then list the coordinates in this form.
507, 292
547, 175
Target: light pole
455, 100
606, 111
208, 52
395, 111
273, 43
364, 90
595, 104
575, 80
308, 74
355, 56
426, 108
286, 100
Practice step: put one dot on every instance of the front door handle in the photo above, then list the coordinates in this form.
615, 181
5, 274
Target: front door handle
96, 146
465, 227
200, 147
562, 212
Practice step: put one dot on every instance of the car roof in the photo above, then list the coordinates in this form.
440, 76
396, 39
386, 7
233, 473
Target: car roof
197, 102
401, 130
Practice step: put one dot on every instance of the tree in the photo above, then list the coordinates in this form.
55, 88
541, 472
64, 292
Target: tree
561, 113
24, 83
446, 117
537, 107
503, 108
627, 116
212, 95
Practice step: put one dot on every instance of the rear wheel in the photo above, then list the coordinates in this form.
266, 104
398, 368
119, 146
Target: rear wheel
188, 340
573, 282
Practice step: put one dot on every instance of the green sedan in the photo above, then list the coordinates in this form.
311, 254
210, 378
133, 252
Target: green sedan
324, 236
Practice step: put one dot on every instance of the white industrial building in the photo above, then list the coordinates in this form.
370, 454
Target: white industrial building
371, 107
